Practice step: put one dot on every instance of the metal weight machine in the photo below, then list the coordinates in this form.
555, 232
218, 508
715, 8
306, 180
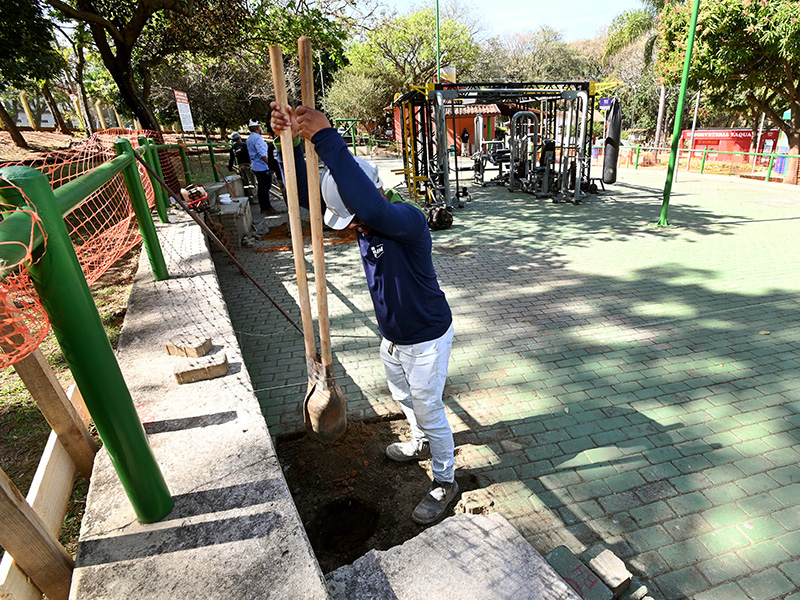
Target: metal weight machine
490, 156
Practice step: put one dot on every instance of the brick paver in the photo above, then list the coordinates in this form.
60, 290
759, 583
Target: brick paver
611, 382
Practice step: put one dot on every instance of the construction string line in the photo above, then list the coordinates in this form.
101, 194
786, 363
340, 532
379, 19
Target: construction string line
217, 242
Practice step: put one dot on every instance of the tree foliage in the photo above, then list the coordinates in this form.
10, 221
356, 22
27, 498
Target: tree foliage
132, 36
27, 55
224, 92
540, 55
356, 96
26, 44
402, 50
749, 47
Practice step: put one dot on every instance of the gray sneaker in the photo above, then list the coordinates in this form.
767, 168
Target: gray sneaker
435, 503
405, 451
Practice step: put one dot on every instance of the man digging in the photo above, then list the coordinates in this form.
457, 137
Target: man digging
412, 311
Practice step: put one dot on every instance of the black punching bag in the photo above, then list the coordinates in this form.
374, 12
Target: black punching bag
612, 143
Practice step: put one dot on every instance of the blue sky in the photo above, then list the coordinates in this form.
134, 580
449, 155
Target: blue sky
576, 19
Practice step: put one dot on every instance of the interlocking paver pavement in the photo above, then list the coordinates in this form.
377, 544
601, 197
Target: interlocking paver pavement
611, 382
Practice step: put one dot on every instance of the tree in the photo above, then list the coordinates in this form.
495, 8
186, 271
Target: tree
78, 39
402, 50
540, 55
634, 26
27, 54
356, 96
133, 36
743, 46
224, 91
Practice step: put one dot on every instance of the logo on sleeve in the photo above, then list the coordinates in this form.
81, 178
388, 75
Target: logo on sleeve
377, 251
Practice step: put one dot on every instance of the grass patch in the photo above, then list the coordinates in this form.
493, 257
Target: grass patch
23, 429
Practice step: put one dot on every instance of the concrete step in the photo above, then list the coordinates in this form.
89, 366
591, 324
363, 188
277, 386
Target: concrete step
469, 557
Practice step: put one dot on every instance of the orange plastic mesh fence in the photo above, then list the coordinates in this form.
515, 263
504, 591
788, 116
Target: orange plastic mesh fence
23, 320
102, 228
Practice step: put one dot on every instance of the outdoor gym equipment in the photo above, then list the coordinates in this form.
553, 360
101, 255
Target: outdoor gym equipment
564, 111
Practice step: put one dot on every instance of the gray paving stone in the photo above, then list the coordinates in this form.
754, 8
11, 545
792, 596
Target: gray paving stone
481, 557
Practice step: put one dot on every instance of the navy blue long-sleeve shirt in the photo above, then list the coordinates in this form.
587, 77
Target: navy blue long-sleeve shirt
409, 305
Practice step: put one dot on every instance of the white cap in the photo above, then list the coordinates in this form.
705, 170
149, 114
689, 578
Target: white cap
338, 215
234, 136
253, 123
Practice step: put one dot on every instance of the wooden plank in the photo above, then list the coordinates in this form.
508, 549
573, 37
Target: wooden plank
49, 396
75, 397
34, 548
49, 496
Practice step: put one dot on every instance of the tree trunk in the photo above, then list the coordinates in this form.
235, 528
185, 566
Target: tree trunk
131, 95
83, 102
11, 127
58, 118
660, 122
793, 163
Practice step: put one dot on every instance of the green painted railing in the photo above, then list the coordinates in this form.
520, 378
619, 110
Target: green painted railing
185, 158
65, 295
705, 152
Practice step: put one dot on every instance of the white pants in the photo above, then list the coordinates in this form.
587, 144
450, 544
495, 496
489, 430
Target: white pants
416, 375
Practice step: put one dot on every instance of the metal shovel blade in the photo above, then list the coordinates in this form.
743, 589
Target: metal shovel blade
324, 411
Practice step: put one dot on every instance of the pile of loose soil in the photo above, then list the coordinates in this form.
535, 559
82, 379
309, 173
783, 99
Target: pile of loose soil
329, 236
350, 496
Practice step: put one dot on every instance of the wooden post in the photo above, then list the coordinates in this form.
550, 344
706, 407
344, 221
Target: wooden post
34, 549
23, 98
49, 396
49, 497
99, 109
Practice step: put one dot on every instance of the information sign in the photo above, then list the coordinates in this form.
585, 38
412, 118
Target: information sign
184, 112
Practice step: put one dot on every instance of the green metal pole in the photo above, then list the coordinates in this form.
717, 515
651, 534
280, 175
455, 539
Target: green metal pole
636, 165
438, 48
703, 162
158, 194
160, 172
142, 211
676, 131
185, 160
769, 167
65, 295
213, 162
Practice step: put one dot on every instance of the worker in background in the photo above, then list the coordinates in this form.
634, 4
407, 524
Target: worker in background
465, 143
413, 315
259, 155
239, 162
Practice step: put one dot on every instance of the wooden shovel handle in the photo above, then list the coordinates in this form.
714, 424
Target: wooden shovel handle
315, 207
279, 81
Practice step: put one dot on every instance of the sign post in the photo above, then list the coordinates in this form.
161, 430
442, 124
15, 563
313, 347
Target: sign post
184, 111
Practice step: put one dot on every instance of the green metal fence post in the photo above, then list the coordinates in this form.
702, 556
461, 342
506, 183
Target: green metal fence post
65, 295
636, 164
185, 160
142, 211
159, 171
213, 162
149, 156
676, 132
769, 167
703, 162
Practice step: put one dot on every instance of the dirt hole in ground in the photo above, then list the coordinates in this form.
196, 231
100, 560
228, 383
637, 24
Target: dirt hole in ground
351, 497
